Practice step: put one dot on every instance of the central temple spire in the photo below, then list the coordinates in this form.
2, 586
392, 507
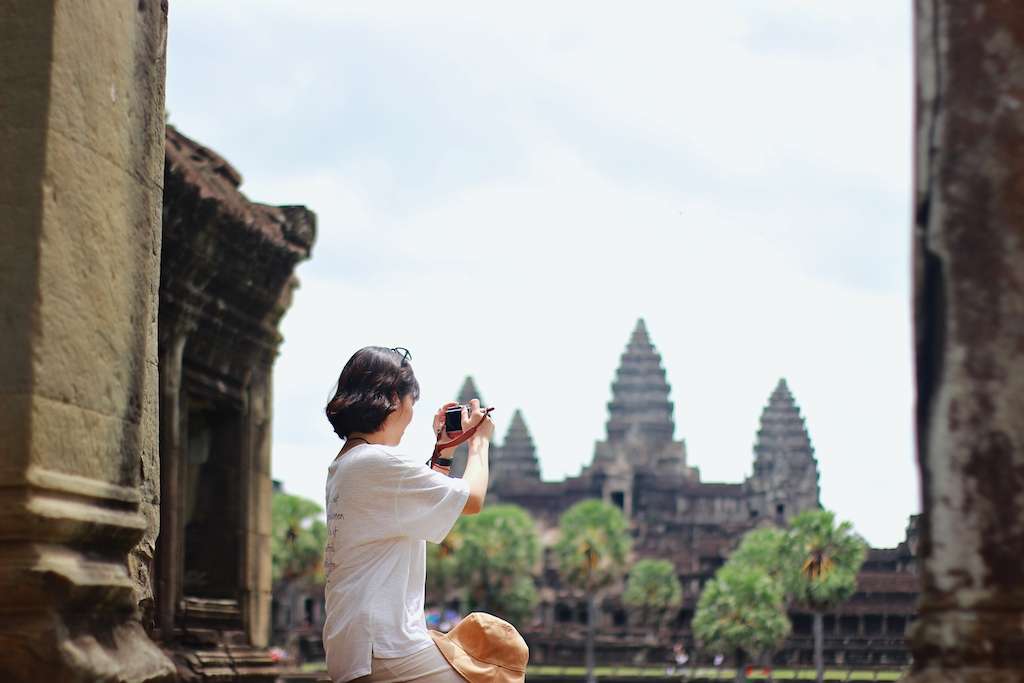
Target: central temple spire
466, 394
469, 391
640, 404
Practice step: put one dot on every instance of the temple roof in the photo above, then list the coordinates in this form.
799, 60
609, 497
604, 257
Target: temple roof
518, 433
782, 429
640, 393
888, 582
517, 456
227, 265
197, 176
469, 391
704, 489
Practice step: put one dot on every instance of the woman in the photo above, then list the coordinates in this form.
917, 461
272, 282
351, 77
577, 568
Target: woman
381, 508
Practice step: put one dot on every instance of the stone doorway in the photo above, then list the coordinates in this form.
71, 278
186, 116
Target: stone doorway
212, 479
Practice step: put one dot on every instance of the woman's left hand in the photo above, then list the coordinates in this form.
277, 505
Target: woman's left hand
439, 420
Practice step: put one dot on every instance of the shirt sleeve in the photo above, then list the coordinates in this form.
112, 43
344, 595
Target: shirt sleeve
428, 502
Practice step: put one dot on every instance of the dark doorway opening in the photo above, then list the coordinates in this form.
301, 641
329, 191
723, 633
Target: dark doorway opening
211, 483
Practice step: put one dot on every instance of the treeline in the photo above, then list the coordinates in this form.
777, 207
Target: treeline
813, 563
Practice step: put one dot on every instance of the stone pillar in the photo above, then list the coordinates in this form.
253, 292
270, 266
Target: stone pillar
257, 500
173, 427
969, 337
81, 129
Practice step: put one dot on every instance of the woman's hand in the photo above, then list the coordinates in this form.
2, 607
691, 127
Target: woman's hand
475, 415
477, 472
442, 434
439, 420
472, 415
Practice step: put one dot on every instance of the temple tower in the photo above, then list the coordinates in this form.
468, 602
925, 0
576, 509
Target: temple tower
518, 457
466, 394
469, 391
640, 428
785, 479
640, 407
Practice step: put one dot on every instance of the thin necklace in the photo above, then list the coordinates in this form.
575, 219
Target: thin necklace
348, 441
356, 438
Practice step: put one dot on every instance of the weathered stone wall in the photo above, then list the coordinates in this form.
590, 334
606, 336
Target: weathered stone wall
81, 134
969, 328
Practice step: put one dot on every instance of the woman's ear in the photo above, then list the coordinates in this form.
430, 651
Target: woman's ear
399, 402
408, 404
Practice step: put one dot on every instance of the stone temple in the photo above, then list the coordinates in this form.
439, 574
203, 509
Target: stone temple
83, 165
642, 468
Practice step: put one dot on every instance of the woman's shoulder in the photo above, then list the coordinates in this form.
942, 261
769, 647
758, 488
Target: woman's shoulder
370, 456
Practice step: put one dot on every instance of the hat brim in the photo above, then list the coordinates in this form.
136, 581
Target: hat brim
473, 670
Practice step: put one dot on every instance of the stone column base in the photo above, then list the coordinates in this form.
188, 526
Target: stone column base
51, 648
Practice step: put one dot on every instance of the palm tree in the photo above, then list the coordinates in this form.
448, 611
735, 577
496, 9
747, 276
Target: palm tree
495, 553
742, 610
828, 557
592, 552
298, 537
764, 548
653, 586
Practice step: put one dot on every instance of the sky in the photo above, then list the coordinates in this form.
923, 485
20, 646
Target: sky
504, 189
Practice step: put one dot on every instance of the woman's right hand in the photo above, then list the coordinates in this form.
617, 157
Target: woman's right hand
475, 415
439, 420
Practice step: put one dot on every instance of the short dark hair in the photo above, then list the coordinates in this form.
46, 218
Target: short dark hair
370, 387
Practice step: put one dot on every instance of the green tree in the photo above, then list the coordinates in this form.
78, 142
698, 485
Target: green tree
653, 586
592, 552
764, 549
298, 537
826, 558
495, 553
742, 610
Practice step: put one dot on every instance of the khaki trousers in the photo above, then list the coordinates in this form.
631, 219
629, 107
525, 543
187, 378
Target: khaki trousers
425, 666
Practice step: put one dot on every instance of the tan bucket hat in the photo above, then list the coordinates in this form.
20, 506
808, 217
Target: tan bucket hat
485, 649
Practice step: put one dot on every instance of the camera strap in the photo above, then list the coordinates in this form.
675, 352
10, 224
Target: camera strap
465, 436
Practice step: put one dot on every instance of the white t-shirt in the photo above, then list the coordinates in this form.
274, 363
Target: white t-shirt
381, 508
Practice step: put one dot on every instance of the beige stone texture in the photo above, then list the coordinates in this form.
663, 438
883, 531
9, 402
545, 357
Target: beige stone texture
260, 521
81, 129
969, 304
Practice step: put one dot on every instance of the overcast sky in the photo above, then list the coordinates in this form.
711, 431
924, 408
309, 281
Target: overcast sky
505, 189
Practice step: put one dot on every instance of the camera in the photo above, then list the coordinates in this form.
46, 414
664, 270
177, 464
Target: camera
453, 419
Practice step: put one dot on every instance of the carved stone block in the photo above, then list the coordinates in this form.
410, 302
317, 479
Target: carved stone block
82, 132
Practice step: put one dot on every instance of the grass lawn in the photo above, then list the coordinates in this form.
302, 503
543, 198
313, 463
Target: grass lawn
708, 673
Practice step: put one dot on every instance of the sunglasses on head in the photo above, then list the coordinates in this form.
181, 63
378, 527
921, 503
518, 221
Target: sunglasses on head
403, 352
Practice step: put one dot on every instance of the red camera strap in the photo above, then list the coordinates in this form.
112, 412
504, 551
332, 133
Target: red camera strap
460, 439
